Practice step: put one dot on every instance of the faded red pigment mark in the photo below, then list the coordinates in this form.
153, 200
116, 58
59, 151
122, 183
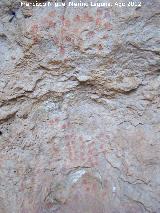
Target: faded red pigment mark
69, 39
77, 18
83, 152
100, 47
105, 36
91, 34
55, 40
108, 26
49, 205
82, 156
24, 210
64, 126
51, 23
53, 121
90, 187
76, 148
48, 22
36, 39
76, 30
85, 182
86, 185
52, 14
72, 152
104, 193
22, 187
81, 147
55, 149
34, 28
98, 21
102, 147
62, 50
99, 12
57, 119
62, 18
34, 33
66, 23
87, 17
103, 136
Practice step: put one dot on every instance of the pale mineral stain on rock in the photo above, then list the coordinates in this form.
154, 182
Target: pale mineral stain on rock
79, 117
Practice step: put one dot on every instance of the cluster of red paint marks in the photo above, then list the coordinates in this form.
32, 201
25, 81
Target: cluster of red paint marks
48, 22
51, 24
66, 35
100, 19
99, 22
90, 186
57, 121
79, 151
34, 28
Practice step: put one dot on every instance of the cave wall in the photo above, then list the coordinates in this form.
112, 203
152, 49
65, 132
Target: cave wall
80, 109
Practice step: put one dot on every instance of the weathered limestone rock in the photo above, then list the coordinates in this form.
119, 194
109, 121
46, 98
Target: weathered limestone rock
80, 109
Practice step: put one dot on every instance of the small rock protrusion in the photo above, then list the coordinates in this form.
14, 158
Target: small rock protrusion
82, 78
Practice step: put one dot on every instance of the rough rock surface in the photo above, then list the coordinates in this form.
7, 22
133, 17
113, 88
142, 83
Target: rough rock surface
80, 109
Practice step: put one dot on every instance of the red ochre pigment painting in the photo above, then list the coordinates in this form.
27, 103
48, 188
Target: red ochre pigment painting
79, 107
76, 149
69, 32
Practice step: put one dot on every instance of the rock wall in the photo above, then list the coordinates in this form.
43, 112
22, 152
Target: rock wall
80, 109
